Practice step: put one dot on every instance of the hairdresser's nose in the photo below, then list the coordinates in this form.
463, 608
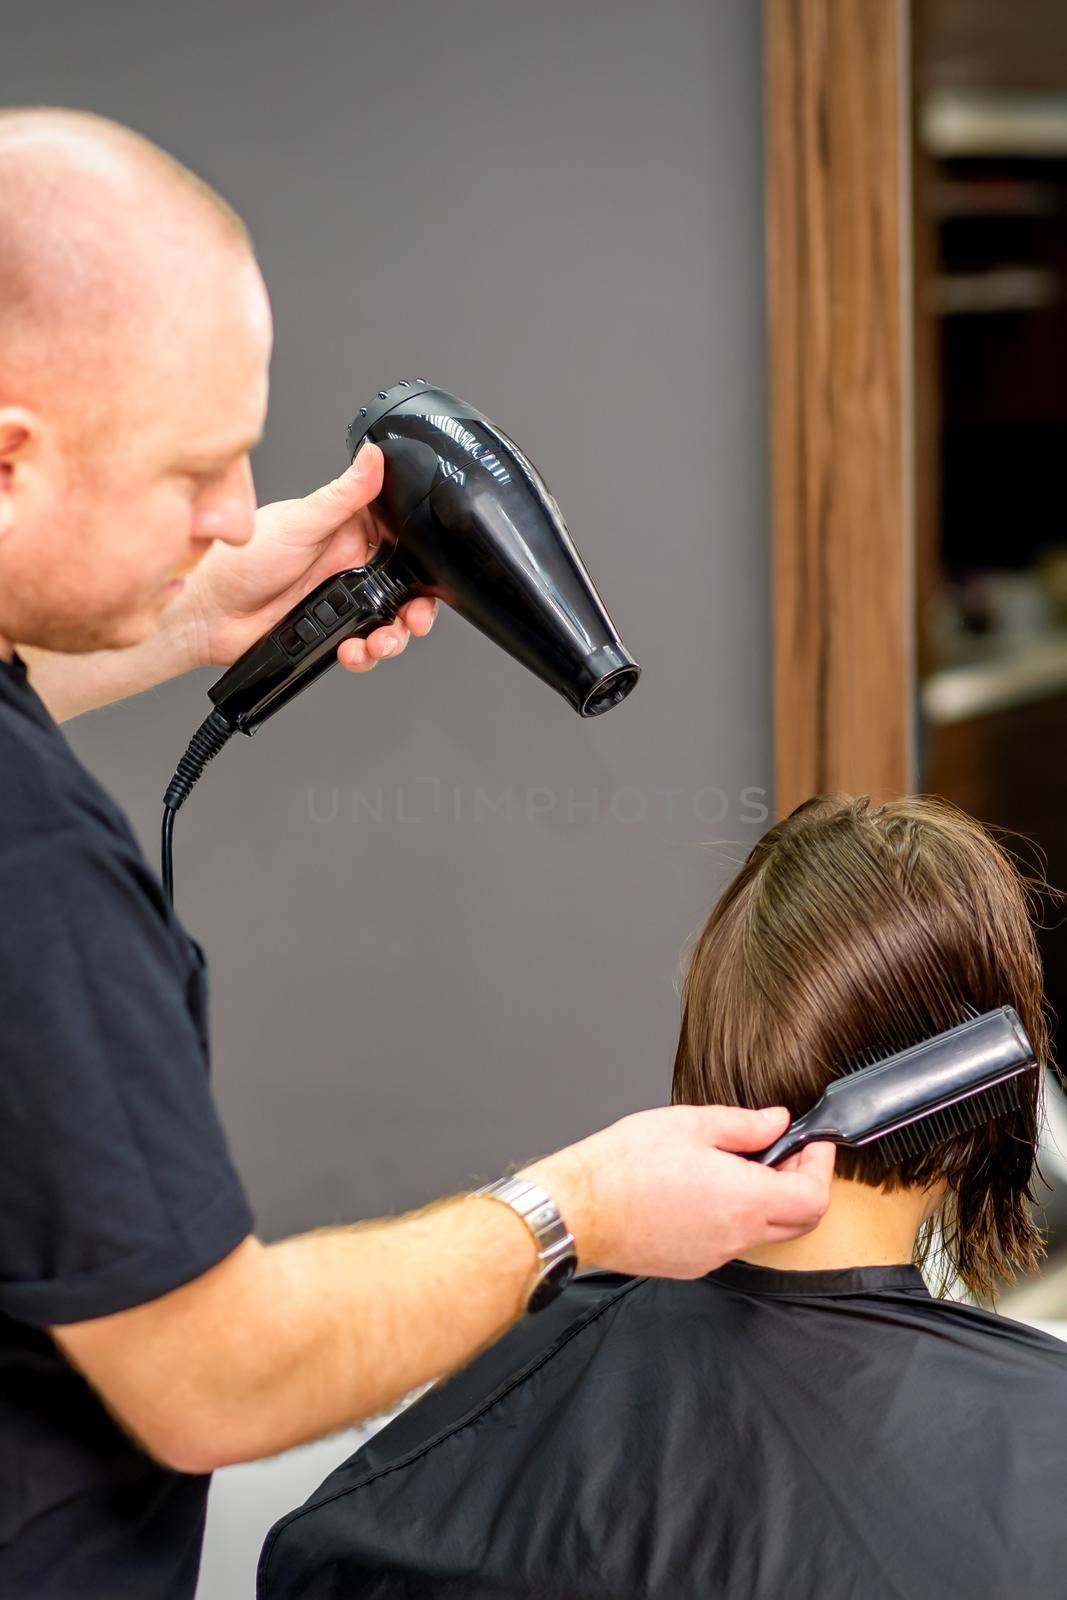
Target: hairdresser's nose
226, 509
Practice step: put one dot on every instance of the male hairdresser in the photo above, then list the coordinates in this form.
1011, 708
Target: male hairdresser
146, 1334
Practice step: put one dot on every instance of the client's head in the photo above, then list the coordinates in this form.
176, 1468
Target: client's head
855, 927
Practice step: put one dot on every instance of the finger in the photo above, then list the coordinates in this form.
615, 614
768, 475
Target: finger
816, 1159
325, 509
359, 655
736, 1128
799, 1199
386, 642
352, 655
420, 615
776, 1233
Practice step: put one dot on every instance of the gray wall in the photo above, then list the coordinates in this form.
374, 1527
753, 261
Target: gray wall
553, 209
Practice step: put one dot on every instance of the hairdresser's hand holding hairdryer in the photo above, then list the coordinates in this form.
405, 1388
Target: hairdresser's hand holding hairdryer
237, 594
237, 590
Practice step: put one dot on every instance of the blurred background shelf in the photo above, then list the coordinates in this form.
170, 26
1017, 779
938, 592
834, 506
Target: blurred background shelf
989, 263
992, 122
1006, 676
999, 289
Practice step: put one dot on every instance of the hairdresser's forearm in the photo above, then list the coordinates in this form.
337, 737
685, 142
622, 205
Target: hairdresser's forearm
363, 1315
346, 1321
278, 1344
72, 684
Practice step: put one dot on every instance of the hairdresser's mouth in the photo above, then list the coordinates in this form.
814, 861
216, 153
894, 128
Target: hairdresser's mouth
177, 580
179, 573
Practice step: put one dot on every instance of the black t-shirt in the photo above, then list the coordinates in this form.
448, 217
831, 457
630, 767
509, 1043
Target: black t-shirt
752, 1435
115, 1181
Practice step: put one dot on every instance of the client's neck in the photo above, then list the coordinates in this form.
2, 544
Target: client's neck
863, 1227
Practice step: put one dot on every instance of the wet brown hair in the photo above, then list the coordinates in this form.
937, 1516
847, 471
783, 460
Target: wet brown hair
854, 927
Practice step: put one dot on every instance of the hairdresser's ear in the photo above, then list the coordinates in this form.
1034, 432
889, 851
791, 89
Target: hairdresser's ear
19, 446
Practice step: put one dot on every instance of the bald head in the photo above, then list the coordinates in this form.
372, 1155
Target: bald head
135, 337
103, 240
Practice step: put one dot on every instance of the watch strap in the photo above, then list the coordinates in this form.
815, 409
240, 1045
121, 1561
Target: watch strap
557, 1256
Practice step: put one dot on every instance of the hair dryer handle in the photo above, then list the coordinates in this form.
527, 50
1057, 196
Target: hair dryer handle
303, 645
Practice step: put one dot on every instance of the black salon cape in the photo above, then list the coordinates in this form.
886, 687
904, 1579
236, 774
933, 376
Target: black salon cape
116, 1184
757, 1435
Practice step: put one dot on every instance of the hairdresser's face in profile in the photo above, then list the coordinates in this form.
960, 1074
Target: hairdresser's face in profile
108, 523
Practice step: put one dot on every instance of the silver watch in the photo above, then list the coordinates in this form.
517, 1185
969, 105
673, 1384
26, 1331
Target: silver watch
557, 1257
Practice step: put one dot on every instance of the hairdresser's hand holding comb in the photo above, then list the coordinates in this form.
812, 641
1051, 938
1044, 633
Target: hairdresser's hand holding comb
239, 592
668, 1194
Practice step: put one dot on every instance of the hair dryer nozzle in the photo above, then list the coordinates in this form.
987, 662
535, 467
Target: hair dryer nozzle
604, 680
475, 524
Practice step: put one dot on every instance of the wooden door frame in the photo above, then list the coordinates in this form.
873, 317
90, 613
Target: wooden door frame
838, 126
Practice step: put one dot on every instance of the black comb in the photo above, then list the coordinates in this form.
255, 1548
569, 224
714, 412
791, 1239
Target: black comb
916, 1099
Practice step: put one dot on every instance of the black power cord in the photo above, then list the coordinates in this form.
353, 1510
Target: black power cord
206, 742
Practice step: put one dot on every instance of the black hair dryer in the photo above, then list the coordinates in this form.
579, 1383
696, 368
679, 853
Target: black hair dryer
462, 516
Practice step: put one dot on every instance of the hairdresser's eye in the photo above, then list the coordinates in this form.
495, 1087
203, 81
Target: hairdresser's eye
191, 483
207, 472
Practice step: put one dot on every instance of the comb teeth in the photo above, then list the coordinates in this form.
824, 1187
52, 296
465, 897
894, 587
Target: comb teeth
872, 1055
926, 1133
866, 1058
